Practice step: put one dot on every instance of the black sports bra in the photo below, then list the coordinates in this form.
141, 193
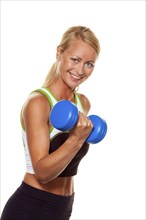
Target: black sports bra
72, 167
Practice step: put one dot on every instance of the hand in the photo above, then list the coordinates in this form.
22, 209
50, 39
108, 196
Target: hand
82, 129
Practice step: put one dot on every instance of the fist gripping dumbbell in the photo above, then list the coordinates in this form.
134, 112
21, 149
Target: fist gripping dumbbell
64, 116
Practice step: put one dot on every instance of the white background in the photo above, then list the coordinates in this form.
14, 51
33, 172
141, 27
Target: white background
111, 180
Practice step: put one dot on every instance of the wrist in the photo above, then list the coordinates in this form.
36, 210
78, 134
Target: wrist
75, 142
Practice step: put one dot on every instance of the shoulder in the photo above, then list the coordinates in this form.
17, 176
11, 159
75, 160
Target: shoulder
85, 102
36, 104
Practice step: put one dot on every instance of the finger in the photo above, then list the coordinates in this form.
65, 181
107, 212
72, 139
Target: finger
85, 119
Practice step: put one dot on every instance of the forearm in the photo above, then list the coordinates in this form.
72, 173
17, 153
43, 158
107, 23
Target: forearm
49, 167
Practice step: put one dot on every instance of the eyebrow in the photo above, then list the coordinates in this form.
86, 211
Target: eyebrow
87, 61
77, 57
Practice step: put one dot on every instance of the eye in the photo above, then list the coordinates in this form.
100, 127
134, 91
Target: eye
89, 65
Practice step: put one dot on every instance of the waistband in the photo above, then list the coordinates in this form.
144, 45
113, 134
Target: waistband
42, 195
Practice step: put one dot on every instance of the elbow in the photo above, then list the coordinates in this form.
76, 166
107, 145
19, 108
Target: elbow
42, 179
42, 175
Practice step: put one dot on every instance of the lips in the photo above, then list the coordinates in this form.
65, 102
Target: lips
75, 77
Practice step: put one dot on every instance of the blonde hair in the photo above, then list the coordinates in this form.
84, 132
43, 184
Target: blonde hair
75, 32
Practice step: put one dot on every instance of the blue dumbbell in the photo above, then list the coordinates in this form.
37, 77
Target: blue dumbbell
64, 116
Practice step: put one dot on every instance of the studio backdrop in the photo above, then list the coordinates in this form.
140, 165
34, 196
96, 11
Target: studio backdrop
111, 179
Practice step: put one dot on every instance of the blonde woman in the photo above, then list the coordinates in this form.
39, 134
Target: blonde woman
53, 157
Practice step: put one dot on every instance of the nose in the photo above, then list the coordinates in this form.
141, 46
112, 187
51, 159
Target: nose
80, 69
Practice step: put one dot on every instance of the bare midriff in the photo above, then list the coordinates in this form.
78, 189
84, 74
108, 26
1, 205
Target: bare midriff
61, 185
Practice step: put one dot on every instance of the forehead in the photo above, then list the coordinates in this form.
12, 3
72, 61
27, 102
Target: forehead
80, 48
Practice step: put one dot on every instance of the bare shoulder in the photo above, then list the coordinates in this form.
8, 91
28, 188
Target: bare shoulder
85, 102
36, 106
36, 101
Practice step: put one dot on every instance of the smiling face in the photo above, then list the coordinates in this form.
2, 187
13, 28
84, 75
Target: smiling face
76, 63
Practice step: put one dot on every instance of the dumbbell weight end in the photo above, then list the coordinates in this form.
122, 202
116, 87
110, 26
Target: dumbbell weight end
64, 115
99, 130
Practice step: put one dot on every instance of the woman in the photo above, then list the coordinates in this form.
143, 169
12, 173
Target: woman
52, 156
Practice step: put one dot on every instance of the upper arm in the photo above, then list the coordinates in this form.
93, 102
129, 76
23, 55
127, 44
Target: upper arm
85, 103
35, 118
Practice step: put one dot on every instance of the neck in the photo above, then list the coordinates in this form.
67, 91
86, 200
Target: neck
61, 90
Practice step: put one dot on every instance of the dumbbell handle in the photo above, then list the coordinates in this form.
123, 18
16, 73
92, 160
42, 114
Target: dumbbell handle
64, 116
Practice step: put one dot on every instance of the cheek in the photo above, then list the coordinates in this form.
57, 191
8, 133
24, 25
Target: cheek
88, 72
65, 66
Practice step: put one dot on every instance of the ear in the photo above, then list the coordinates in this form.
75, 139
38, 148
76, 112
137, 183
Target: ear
58, 53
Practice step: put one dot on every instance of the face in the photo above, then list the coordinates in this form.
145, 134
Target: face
76, 63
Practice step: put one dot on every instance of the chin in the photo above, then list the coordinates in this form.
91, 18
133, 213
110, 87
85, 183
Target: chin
73, 88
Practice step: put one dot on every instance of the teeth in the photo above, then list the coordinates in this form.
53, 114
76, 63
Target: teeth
76, 77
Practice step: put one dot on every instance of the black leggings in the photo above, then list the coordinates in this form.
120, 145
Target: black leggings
29, 203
